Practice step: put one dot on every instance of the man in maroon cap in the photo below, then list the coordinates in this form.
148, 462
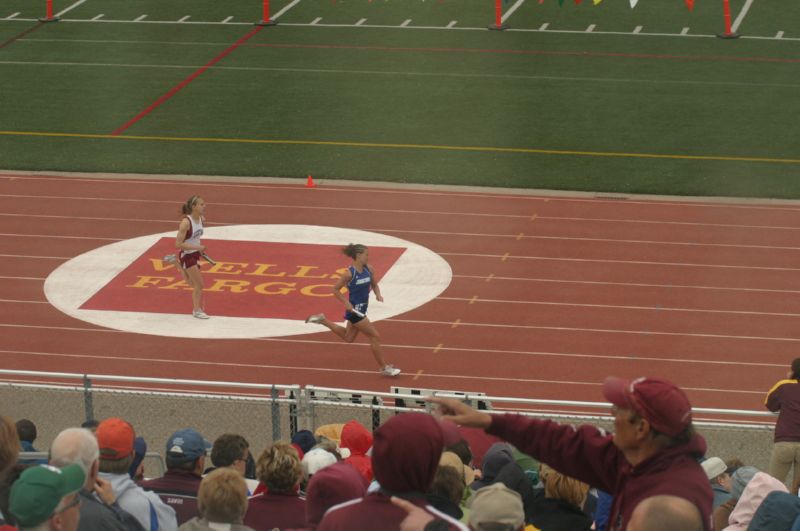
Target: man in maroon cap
654, 449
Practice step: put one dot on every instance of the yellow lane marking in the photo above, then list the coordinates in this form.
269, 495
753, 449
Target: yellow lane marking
419, 373
438, 348
520, 236
488, 149
455, 323
473, 299
505, 257
490, 277
533, 217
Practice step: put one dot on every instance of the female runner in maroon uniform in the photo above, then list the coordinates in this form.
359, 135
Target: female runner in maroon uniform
188, 241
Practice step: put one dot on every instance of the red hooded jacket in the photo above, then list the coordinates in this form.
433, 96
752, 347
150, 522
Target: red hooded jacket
358, 440
589, 454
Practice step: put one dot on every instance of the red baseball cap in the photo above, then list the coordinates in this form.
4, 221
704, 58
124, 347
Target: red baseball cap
115, 438
660, 402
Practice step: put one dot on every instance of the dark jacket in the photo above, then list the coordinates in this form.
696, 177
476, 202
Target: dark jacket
269, 511
784, 399
558, 515
97, 515
777, 512
174, 481
588, 454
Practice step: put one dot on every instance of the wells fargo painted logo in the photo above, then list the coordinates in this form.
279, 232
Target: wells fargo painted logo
250, 279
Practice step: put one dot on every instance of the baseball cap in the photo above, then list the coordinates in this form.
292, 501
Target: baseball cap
496, 504
713, 467
315, 460
115, 439
186, 445
658, 401
39, 490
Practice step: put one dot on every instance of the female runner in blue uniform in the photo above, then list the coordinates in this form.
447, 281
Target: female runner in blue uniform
358, 278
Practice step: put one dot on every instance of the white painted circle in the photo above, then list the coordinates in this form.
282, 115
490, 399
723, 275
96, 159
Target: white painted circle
418, 276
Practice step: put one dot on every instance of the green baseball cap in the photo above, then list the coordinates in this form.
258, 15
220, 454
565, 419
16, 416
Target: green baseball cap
39, 490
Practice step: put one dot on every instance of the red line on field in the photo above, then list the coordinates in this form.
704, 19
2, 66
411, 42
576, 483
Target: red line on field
579, 53
20, 35
177, 88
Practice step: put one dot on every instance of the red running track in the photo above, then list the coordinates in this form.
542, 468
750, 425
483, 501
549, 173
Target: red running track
550, 294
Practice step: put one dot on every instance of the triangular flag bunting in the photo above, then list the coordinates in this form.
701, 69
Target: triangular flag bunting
690, 4
633, 3
560, 2
597, 1
577, 1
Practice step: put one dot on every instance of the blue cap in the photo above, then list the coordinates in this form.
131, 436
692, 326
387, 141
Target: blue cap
186, 445
139, 451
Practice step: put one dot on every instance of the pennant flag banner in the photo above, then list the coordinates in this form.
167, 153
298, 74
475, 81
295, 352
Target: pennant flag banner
690, 4
597, 1
633, 3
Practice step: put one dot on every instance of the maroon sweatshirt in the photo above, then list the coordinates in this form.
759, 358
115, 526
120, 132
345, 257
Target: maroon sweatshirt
589, 454
784, 398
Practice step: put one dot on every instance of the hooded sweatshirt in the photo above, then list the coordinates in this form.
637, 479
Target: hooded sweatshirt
588, 454
334, 484
757, 489
497, 457
405, 455
358, 440
141, 503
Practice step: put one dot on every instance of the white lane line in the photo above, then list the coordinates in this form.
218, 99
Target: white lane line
184, 19
607, 261
619, 306
316, 20
361, 22
13, 15
592, 330
591, 28
768, 205
452, 23
779, 35
544, 26
13, 301
228, 19
629, 284
446, 233
285, 9
405, 23
28, 256
511, 10
70, 8
638, 29
428, 348
685, 31
372, 210
21, 278
742, 14
98, 17
140, 18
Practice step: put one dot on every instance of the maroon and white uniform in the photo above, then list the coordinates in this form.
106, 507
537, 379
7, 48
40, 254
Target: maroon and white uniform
193, 234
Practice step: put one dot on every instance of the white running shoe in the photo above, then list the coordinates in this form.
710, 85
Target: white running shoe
390, 370
316, 318
200, 314
171, 259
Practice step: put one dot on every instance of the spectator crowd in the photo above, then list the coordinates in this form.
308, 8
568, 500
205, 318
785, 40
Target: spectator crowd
460, 469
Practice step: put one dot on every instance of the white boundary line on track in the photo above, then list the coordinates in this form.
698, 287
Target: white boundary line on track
516, 237
742, 14
371, 210
433, 190
454, 75
441, 28
619, 358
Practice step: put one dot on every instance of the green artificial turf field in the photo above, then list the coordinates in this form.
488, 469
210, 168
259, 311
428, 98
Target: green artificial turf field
580, 97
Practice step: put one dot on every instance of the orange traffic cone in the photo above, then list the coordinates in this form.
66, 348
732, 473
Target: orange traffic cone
310, 182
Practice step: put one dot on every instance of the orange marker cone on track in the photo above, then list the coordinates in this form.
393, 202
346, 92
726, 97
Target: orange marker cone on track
310, 182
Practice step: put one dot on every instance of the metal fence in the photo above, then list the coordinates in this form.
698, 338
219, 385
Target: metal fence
264, 413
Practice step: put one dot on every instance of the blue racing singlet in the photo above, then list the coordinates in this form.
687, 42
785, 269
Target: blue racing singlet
358, 288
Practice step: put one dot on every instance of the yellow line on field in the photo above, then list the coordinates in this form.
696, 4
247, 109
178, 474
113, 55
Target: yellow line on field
438, 348
473, 299
455, 323
485, 149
